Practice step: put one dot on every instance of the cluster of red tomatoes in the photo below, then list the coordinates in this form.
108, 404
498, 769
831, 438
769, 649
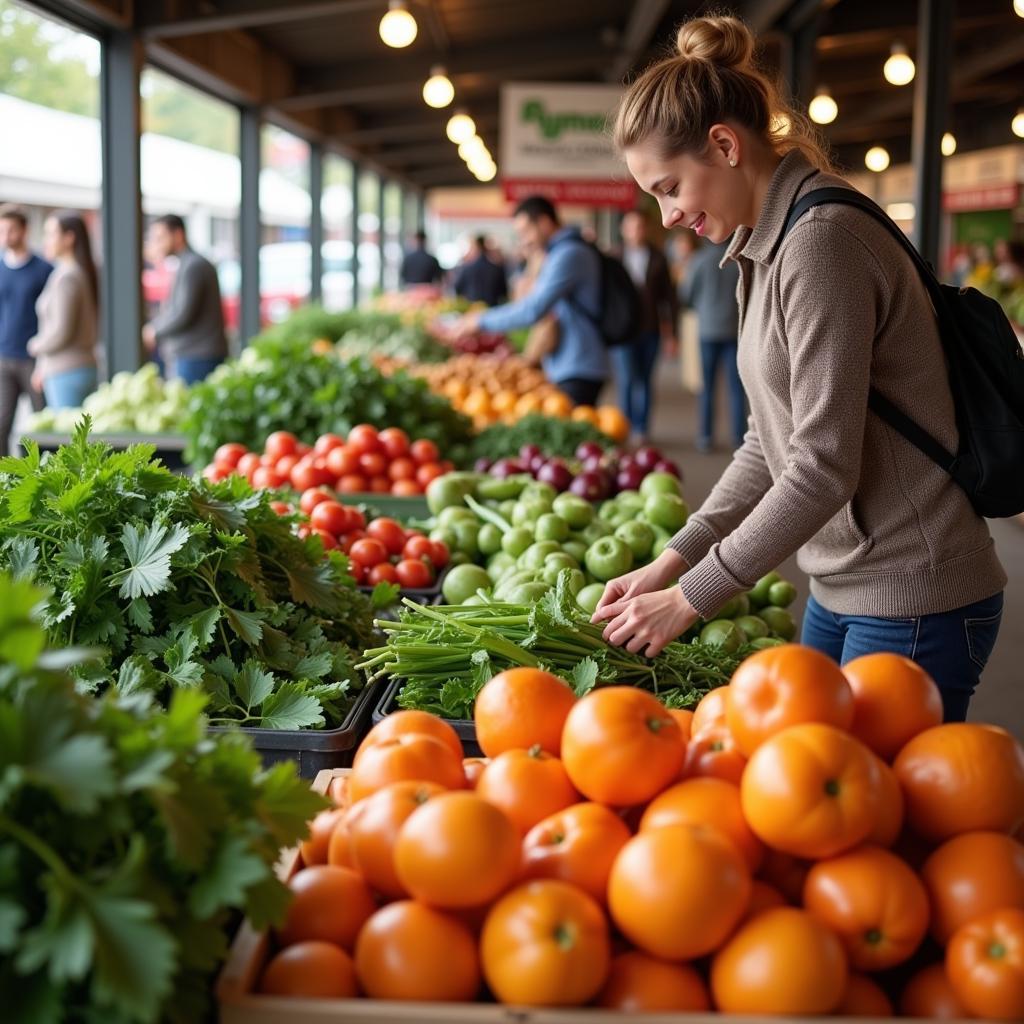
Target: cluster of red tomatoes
367, 461
381, 551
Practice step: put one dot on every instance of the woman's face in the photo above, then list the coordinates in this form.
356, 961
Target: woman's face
706, 195
53, 239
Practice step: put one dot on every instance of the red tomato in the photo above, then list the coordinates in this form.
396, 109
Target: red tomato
405, 488
303, 476
414, 574
282, 508
380, 485
357, 518
280, 443
352, 484
214, 473
419, 547
267, 460
402, 469
304, 530
383, 573
286, 464
346, 540
447, 465
303, 449
266, 477
324, 475
341, 461
364, 439
357, 572
330, 516
311, 497
395, 442
389, 533
439, 553
368, 552
227, 455
424, 451
327, 442
248, 464
373, 464
427, 472
328, 539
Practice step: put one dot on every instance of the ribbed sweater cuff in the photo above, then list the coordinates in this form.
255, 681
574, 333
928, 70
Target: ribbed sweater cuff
708, 585
693, 541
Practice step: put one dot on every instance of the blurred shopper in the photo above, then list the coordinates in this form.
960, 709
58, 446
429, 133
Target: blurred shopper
710, 290
188, 331
659, 310
65, 346
1009, 263
22, 278
568, 283
481, 278
679, 249
418, 265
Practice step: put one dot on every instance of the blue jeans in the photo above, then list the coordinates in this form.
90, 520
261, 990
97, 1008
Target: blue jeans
192, 369
952, 647
68, 390
715, 353
634, 368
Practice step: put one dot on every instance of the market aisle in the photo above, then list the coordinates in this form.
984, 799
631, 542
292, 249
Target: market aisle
998, 699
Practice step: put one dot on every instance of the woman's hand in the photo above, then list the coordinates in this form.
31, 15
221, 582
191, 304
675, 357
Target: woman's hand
648, 579
651, 621
467, 326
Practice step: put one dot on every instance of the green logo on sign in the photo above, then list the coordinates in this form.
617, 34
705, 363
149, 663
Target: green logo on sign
552, 125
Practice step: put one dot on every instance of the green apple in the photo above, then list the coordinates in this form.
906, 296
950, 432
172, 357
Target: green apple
752, 626
660, 483
576, 548
551, 527
459, 558
668, 511
543, 494
576, 511
533, 557
630, 501
609, 558
489, 539
450, 490
503, 490
448, 517
506, 508
526, 515
510, 581
557, 563
608, 509
527, 593
463, 582
781, 594
639, 536
500, 565
659, 545
779, 621
467, 536
723, 633
516, 541
595, 531
590, 597
446, 535
759, 592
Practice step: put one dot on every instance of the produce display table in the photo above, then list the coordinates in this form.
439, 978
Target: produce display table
388, 705
170, 448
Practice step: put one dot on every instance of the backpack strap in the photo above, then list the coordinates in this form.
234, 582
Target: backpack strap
594, 321
877, 402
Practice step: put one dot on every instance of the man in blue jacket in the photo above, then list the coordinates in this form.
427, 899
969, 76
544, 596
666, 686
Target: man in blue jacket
569, 284
22, 276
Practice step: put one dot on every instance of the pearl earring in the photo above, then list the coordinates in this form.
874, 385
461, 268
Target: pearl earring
732, 163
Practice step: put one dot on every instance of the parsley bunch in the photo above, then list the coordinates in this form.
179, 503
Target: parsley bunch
183, 585
129, 841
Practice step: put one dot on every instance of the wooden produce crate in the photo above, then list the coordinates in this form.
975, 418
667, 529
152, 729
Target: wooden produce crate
239, 1003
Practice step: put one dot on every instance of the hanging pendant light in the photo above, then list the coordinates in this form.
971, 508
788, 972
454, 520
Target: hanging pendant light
438, 90
899, 68
1017, 124
876, 159
460, 128
1018, 8
398, 27
823, 109
948, 144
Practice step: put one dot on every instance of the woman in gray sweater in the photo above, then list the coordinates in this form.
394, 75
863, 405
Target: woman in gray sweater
897, 557
65, 346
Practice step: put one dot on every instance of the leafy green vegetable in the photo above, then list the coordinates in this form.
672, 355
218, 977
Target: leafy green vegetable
183, 584
129, 842
280, 384
446, 654
411, 343
552, 435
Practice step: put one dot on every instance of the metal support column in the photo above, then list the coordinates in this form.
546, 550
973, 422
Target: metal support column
122, 201
381, 235
421, 211
250, 229
316, 222
931, 109
800, 61
357, 172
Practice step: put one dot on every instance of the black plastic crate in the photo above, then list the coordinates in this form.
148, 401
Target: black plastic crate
316, 749
388, 704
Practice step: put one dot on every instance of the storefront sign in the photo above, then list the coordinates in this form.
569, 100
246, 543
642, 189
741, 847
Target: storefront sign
556, 141
999, 197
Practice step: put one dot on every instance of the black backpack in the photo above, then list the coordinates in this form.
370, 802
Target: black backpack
619, 322
986, 377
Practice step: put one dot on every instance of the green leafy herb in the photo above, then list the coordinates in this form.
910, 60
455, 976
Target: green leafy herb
552, 435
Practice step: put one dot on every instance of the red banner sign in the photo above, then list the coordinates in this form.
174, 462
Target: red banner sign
997, 197
618, 194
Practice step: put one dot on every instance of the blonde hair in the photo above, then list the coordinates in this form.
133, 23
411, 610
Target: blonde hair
712, 79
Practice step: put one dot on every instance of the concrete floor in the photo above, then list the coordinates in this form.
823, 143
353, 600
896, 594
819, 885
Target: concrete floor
997, 699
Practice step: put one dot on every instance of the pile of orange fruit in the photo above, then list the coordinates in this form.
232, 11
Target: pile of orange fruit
809, 840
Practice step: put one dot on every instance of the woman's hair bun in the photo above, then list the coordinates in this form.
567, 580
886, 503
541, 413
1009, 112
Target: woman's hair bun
724, 41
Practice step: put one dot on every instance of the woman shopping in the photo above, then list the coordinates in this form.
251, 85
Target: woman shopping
65, 347
898, 559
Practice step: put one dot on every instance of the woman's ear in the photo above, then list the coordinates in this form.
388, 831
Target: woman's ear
724, 144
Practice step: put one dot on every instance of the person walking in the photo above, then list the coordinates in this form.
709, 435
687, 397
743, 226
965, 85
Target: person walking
659, 311
189, 329
22, 278
480, 278
897, 557
420, 267
710, 290
65, 345
569, 284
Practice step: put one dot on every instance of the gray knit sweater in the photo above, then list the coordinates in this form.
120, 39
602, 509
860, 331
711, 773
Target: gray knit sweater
881, 530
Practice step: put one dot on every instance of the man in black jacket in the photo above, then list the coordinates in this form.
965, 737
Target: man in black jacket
420, 266
481, 278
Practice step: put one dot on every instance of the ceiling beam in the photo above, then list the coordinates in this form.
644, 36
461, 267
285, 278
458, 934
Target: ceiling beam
643, 21
164, 20
762, 15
